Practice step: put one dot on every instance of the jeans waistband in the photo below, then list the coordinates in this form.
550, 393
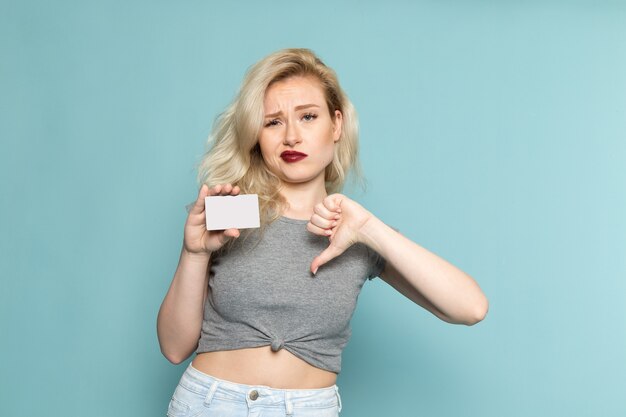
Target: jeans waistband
208, 385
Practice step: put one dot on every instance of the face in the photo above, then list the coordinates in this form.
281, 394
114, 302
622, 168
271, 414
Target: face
297, 120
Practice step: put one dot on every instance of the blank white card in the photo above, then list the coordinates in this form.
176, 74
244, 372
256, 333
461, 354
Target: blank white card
232, 211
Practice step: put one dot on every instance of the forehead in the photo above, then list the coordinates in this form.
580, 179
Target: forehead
293, 91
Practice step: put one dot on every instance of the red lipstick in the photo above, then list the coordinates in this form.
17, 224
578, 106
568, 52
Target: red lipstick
292, 156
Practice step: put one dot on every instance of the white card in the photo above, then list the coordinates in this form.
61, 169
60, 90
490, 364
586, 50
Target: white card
232, 211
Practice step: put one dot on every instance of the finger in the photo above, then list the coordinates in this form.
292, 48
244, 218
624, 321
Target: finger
232, 232
333, 203
226, 189
236, 190
321, 222
325, 212
318, 230
329, 253
215, 190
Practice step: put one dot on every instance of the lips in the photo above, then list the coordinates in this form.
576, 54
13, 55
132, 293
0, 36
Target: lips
292, 156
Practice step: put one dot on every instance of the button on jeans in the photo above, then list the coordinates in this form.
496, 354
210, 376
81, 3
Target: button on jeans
199, 394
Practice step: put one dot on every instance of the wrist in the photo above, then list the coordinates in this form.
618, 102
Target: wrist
368, 232
195, 256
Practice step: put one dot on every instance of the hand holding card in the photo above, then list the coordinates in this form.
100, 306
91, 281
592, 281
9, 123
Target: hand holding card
198, 240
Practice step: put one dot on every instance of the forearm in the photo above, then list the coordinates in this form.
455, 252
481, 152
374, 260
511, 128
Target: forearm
180, 317
450, 290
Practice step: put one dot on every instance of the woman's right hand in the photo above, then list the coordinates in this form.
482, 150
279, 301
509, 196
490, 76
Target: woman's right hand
197, 238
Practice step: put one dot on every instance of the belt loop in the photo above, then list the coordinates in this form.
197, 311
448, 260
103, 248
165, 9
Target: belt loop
338, 398
209, 395
288, 404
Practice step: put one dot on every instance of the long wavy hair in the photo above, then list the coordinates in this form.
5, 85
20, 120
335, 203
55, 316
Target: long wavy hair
233, 154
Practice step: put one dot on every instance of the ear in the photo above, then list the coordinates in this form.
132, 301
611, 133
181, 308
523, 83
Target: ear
337, 125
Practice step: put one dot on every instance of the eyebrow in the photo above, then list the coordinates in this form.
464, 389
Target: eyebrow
303, 106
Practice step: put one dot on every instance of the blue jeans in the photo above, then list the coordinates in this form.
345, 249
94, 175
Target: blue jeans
199, 394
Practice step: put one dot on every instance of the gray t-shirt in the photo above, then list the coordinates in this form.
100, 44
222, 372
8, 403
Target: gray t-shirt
267, 295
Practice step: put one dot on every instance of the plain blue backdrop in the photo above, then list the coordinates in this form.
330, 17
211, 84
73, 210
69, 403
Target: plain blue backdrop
492, 133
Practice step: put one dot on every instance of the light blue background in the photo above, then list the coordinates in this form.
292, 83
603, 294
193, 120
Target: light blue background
492, 133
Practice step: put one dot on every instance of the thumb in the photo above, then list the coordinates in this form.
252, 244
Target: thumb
329, 253
197, 207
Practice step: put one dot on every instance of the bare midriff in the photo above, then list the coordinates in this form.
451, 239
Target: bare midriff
263, 366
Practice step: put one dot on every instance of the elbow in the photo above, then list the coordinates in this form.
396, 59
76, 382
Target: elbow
174, 359
479, 312
174, 352
173, 356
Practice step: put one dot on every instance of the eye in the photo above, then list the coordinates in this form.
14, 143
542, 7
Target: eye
312, 116
271, 123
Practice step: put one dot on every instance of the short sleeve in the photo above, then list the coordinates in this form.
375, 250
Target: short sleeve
375, 261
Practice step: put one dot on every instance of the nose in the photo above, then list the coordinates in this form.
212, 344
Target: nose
292, 136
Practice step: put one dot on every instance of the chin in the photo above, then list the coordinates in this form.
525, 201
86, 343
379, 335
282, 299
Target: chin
298, 178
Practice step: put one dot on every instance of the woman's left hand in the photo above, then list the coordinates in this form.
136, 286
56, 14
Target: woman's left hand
341, 219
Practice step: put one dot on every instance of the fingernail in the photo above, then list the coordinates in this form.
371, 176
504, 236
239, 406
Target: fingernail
315, 271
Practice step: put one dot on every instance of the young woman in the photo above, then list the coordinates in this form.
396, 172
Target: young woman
267, 310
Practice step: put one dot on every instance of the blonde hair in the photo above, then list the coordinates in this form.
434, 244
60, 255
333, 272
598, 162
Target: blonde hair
233, 154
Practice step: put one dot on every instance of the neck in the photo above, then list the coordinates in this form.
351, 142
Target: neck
302, 198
